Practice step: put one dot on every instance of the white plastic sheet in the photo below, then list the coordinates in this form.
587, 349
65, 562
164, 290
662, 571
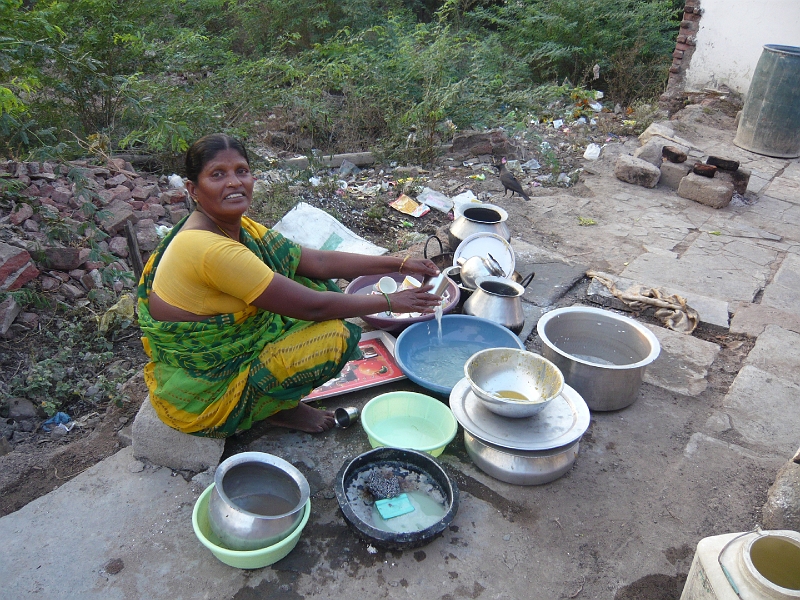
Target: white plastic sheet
314, 228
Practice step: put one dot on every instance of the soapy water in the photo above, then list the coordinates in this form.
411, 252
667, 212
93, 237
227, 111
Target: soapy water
443, 364
427, 512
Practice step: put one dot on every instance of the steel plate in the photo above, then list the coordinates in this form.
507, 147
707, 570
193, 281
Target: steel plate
564, 421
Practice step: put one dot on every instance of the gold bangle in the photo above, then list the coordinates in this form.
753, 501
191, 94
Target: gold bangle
388, 302
400, 270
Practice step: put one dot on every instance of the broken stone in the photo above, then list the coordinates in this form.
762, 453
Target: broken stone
9, 309
72, 292
63, 259
674, 154
114, 217
118, 246
672, 173
723, 163
782, 509
16, 267
146, 235
636, 171
704, 169
22, 212
740, 178
21, 409
711, 192
176, 213
653, 150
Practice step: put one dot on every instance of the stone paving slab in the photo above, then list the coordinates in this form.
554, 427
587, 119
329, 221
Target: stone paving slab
117, 509
765, 410
682, 365
777, 351
783, 291
784, 188
721, 268
552, 280
713, 313
752, 319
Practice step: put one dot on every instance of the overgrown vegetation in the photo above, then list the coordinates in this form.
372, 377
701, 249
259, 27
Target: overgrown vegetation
402, 75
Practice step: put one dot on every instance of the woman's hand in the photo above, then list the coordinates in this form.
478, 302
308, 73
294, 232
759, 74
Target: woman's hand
414, 300
420, 266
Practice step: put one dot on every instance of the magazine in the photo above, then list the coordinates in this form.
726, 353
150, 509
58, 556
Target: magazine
375, 368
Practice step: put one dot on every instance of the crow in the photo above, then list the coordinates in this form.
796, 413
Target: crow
509, 181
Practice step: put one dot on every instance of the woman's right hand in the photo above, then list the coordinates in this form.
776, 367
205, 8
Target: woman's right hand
414, 300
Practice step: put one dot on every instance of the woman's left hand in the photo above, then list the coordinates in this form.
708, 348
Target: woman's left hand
420, 266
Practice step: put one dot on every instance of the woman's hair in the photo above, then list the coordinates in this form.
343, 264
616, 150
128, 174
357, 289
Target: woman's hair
206, 148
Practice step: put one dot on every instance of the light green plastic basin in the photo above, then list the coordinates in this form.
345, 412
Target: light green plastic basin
409, 420
242, 559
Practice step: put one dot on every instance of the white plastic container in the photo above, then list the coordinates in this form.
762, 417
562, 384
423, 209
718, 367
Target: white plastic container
745, 566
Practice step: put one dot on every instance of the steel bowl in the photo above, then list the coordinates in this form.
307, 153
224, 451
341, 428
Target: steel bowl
257, 501
520, 467
513, 383
602, 355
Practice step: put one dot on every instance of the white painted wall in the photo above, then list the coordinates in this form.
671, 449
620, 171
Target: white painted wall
731, 37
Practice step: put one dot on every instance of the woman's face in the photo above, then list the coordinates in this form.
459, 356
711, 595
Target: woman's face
224, 188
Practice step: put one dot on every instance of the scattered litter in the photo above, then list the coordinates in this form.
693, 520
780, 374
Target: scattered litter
435, 200
341, 184
592, 152
545, 178
629, 122
532, 165
586, 221
163, 230
371, 549
479, 176
558, 123
408, 206
175, 181
314, 181
563, 178
60, 418
461, 202
314, 228
119, 316
598, 95
582, 121
595, 106
348, 168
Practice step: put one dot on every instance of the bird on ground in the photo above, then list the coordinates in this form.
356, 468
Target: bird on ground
509, 181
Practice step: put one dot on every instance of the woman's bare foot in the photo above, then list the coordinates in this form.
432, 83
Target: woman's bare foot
303, 418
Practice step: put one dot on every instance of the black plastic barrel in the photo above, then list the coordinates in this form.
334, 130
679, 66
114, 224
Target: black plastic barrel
770, 121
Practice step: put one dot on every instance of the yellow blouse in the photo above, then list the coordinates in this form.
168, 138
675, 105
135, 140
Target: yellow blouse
208, 274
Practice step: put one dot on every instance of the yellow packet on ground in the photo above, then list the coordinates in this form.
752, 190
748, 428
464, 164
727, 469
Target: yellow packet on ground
409, 206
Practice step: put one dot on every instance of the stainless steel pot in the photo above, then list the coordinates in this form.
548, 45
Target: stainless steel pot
602, 355
500, 300
484, 217
520, 467
257, 500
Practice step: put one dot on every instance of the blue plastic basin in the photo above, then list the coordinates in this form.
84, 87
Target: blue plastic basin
458, 332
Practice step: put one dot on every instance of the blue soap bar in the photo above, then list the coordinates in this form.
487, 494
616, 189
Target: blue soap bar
394, 507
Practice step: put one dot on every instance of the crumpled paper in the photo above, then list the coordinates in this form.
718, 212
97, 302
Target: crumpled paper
408, 206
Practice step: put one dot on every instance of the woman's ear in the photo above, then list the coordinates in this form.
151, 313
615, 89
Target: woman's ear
190, 187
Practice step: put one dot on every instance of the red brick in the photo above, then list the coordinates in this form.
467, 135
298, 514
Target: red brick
677, 54
680, 46
682, 39
675, 69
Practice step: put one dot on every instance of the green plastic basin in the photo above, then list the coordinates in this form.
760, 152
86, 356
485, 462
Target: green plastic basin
409, 420
242, 559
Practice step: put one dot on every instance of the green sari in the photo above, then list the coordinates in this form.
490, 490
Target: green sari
218, 376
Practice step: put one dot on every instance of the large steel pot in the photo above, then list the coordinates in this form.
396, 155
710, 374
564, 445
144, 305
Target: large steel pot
602, 355
520, 467
500, 300
257, 500
483, 218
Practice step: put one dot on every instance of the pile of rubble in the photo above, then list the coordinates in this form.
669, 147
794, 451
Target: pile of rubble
674, 162
73, 226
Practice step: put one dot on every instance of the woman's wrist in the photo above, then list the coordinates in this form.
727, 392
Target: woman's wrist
402, 264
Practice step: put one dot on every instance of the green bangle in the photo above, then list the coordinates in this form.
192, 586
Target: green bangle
388, 302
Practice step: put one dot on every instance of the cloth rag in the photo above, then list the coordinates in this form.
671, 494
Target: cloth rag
671, 309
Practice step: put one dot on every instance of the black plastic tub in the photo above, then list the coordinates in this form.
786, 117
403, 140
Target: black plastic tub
354, 500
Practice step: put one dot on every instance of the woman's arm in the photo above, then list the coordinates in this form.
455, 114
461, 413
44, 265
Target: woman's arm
327, 264
289, 298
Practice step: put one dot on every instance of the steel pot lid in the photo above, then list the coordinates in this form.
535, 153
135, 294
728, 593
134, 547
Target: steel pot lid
483, 244
564, 421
